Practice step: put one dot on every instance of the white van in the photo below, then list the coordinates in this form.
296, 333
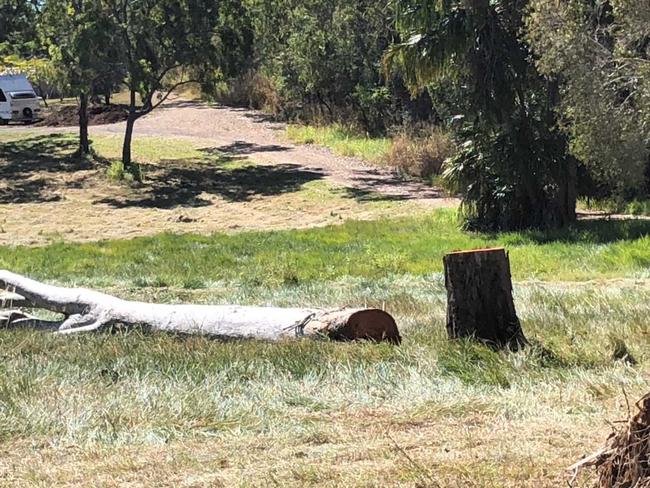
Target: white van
18, 101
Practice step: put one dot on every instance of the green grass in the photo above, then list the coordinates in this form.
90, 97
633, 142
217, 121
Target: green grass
367, 250
130, 408
341, 140
144, 149
634, 207
147, 149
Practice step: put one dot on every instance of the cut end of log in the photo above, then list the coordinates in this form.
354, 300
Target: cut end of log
360, 324
475, 251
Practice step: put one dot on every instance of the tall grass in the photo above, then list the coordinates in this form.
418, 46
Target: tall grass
419, 155
634, 207
340, 139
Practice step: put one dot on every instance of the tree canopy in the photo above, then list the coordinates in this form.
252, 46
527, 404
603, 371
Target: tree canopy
547, 100
512, 169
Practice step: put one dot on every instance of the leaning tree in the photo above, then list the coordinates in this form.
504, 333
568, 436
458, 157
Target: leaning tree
512, 168
169, 43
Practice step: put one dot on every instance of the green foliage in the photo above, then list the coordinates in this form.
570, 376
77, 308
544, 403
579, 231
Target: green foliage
601, 54
18, 27
512, 170
116, 171
324, 63
169, 43
41, 72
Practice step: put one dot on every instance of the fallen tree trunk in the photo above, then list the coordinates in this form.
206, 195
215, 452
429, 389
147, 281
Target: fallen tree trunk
87, 310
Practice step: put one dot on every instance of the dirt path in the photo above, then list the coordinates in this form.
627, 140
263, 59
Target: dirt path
249, 133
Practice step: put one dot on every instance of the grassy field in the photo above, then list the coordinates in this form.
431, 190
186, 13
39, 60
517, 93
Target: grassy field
125, 408
366, 250
158, 410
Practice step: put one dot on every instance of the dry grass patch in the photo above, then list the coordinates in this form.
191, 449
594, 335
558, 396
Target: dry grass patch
46, 195
419, 155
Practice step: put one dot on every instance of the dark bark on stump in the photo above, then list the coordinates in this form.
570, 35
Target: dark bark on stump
479, 298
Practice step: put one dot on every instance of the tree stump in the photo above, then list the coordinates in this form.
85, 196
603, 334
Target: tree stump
479, 298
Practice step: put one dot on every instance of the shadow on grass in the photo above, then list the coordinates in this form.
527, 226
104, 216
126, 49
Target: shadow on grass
36, 168
186, 182
243, 148
595, 231
182, 183
29, 167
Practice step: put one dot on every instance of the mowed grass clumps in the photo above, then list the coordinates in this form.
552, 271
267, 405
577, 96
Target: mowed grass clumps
317, 403
414, 246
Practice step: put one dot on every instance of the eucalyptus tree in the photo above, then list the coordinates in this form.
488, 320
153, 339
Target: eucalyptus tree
325, 56
18, 21
512, 168
83, 48
168, 43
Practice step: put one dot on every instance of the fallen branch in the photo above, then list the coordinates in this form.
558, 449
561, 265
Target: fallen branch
87, 310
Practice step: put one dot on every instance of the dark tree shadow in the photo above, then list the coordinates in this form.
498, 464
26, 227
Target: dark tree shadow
363, 195
262, 118
598, 231
25, 165
175, 184
595, 231
244, 148
374, 185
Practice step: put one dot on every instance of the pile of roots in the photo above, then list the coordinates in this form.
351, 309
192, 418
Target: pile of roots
625, 460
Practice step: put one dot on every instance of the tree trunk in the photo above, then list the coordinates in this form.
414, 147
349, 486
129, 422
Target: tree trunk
479, 298
128, 134
107, 98
571, 196
87, 310
84, 144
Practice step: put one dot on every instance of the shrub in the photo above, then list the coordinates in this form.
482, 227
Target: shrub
419, 155
116, 171
253, 90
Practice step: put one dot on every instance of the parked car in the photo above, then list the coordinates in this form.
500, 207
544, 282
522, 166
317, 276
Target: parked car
18, 101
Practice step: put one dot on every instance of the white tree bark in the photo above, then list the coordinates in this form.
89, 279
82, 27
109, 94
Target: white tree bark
87, 310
